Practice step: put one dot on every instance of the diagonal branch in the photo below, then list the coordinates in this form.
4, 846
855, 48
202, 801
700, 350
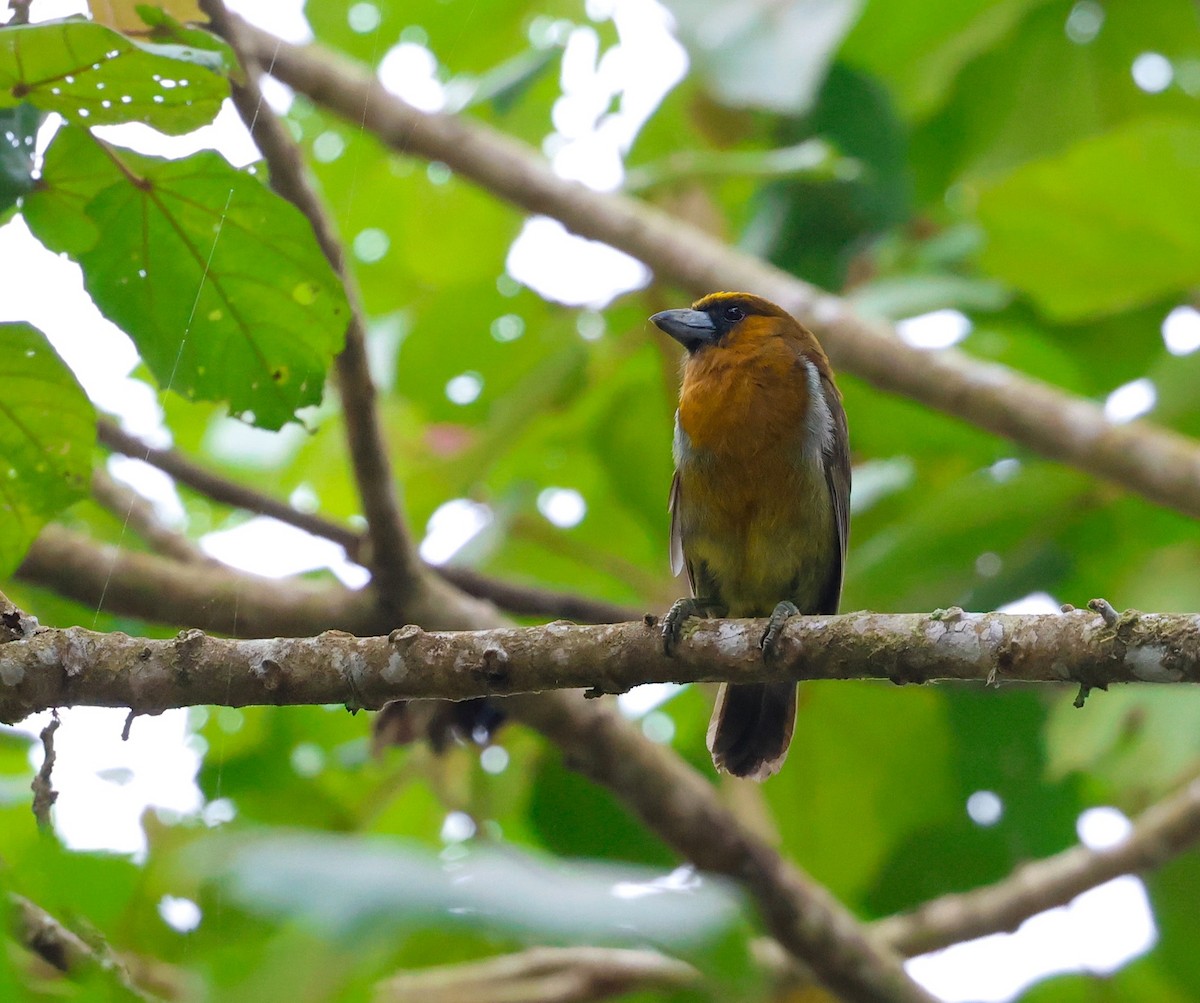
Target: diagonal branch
1157, 463
1161, 832
396, 570
677, 803
541, 975
137, 512
59, 947
224, 490
524, 600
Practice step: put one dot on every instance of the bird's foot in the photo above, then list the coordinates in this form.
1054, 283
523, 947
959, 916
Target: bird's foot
681, 610
782, 613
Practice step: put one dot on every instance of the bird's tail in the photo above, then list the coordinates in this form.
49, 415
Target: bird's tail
752, 727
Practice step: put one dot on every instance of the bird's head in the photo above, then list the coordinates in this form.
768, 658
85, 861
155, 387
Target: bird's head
727, 320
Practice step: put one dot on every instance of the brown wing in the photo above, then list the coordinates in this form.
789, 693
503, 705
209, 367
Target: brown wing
837, 477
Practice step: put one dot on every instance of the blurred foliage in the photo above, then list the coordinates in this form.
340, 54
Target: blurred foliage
1030, 164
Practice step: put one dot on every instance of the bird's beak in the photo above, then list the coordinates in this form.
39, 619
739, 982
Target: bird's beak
691, 328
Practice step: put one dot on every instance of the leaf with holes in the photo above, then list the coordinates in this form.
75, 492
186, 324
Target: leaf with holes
47, 429
218, 281
90, 73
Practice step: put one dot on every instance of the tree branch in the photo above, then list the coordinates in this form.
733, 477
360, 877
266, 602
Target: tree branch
46, 937
149, 675
1161, 832
1155, 462
523, 600
396, 569
138, 513
541, 975
210, 596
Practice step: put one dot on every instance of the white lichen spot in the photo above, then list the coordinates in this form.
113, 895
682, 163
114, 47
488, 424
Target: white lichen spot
396, 669
1146, 662
75, 657
963, 642
731, 639
995, 632
11, 673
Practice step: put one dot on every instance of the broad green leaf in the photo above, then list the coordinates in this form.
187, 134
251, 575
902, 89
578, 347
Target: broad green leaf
127, 15
575, 818
763, 55
918, 47
94, 75
897, 297
351, 887
1062, 76
1173, 890
219, 282
817, 229
47, 427
1149, 977
18, 132
1140, 738
931, 555
1109, 224
857, 748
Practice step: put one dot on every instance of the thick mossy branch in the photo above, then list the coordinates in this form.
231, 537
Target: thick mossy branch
78, 667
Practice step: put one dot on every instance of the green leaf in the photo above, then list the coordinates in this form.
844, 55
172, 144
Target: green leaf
89, 73
355, 887
899, 296
1044, 90
219, 282
1141, 739
741, 53
18, 132
47, 428
1111, 223
918, 47
1173, 890
575, 818
832, 777
817, 228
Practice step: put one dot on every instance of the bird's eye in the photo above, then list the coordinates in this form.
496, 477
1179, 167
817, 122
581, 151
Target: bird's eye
734, 313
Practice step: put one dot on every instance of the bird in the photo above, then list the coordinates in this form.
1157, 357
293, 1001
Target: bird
760, 500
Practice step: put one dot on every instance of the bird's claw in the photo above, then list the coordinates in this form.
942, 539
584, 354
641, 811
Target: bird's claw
783, 612
681, 610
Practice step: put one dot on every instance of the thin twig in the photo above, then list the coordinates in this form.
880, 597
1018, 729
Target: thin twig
60, 948
1161, 832
396, 569
1155, 462
541, 975
138, 514
224, 490
44, 794
524, 600
529, 600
